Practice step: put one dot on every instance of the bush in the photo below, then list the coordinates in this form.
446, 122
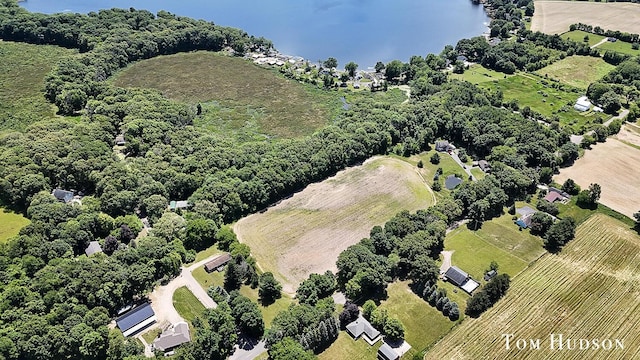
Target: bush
435, 159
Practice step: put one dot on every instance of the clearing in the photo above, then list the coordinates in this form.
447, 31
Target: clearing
305, 233
22, 73
578, 71
237, 96
555, 17
614, 165
590, 290
10, 224
477, 74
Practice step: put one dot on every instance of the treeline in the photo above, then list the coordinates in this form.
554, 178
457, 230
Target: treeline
485, 298
507, 15
620, 35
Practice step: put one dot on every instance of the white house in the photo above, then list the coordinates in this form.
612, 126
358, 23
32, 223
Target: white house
582, 104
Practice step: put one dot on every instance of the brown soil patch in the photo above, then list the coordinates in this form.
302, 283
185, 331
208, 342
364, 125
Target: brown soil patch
629, 133
616, 167
305, 233
554, 17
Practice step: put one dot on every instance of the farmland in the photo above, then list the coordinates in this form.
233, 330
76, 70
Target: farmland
614, 165
22, 74
237, 96
591, 70
10, 224
305, 233
590, 290
554, 17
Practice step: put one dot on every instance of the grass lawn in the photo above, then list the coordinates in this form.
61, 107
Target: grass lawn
10, 223
206, 279
477, 74
578, 71
211, 250
578, 36
346, 348
619, 46
545, 97
424, 324
268, 312
22, 73
187, 304
237, 96
498, 240
151, 335
477, 173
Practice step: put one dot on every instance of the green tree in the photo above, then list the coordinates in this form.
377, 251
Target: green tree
393, 330
570, 187
269, 289
393, 71
435, 158
379, 66
351, 68
154, 206
368, 308
200, 234
331, 63
560, 233
247, 315
289, 349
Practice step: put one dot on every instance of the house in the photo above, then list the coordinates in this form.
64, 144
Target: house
181, 204
136, 319
386, 352
557, 195
361, 326
444, 146
452, 181
525, 221
94, 247
461, 58
490, 275
612, 39
63, 195
120, 140
582, 104
484, 166
217, 263
461, 279
172, 337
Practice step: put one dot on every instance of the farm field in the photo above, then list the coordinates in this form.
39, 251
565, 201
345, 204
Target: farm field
236, 95
590, 290
498, 240
305, 233
555, 17
10, 224
591, 70
22, 73
614, 165
538, 93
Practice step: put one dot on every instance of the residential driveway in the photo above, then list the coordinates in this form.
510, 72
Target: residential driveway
250, 352
446, 261
464, 166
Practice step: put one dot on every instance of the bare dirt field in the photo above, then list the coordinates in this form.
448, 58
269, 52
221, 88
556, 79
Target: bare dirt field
629, 133
616, 167
554, 17
588, 291
305, 233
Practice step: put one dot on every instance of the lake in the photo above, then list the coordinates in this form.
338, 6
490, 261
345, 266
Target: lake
364, 31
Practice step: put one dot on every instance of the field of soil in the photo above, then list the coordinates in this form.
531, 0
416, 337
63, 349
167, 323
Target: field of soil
591, 290
305, 233
614, 165
554, 17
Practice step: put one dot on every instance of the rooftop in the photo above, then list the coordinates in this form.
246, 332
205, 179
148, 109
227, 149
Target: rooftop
136, 319
94, 247
456, 276
217, 262
176, 335
362, 326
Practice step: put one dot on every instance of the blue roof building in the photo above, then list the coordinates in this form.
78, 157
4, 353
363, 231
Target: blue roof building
137, 319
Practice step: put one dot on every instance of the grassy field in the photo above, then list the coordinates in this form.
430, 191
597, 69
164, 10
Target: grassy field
187, 304
477, 74
22, 74
498, 240
555, 17
346, 348
10, 224
590, 290
619, 46
306, 233
578, 36
578, 71
537, 93
236, 95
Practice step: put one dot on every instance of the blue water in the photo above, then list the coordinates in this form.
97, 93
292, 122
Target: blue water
364, 31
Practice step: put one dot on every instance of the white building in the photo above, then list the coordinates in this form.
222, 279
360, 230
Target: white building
582, 104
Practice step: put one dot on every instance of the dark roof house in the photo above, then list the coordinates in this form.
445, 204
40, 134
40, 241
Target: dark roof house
444, 145
63, 195
137, 319
174, 336
484, 165
386, 352
456, 276
217, 262
362, 326
94, 247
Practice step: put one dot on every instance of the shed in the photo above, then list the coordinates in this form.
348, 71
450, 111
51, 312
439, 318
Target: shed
217, 263
362, 326
137, 319
94, 247
386, 352
180, 204
119, 140
174, 336
490, 275
63, 195
456, 276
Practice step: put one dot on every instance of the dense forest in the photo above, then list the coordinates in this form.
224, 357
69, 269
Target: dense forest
56, 304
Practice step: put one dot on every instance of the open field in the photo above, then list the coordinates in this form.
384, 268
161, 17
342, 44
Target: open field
554, 17
590, 290
618, 46
305, 233
187, 304
537, 93
22, 73
236, 95
578, 71
614, 165
10, 224
346, 348
578, 36
498, 240
477, 74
